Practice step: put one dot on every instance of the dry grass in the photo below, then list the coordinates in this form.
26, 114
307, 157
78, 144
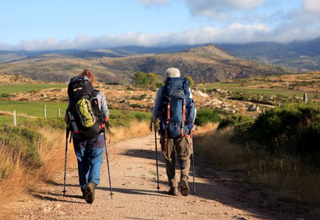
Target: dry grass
20, 180
215, 145
206, 128
293, 180
136, 129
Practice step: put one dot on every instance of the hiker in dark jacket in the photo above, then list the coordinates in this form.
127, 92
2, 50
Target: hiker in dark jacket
181, 145
89, 152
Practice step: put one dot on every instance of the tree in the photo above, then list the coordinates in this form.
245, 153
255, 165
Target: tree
189, 78
152, 78
140, 79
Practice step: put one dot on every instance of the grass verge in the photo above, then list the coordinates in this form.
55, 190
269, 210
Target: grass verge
292, 180
34, 154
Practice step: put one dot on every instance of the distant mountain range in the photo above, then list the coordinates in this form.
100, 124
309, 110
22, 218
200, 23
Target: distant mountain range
205, 64
299, 56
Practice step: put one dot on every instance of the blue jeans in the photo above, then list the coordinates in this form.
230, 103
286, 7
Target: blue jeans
89, 156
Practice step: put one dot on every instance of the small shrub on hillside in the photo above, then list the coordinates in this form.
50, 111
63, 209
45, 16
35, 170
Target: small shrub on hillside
54, 122
6, 95
123, 118
293, 129
234, 120
159, 84
207, 115
23, 141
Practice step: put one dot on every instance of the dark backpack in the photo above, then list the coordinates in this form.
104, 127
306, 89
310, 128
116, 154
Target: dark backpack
177, 110
85, 116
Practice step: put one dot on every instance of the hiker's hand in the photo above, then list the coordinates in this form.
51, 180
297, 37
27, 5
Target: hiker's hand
106, 119
154, 118
66, 119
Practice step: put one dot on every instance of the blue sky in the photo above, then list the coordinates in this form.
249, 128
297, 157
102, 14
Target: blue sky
79, 24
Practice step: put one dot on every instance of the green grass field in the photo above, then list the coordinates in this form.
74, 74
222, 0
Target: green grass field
28, 87
235, 87
35, 109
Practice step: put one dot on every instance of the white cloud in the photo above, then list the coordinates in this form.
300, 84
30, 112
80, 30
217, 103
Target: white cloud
312, 6
236, 32
216, 8
233, 33
148, 3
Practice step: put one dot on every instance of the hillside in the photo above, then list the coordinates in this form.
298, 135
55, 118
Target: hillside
204, 64
299, 56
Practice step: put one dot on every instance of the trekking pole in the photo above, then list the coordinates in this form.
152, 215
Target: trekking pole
155, 140
65, 162
107, 156
193, 169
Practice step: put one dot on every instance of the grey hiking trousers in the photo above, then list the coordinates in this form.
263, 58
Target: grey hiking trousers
180, 148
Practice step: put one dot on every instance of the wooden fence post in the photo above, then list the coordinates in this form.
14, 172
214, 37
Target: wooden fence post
45, 111
305, 97
14, 118
59, 112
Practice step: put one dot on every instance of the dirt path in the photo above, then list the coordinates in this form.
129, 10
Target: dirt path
135, 195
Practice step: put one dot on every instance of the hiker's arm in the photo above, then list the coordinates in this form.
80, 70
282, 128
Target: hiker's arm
104, 106
157, 103
195, 109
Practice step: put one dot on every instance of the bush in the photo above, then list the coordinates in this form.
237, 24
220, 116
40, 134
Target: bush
234, 120
123, 118
207, 115
293, 129
53, 122
23, 141
140, 79
159, 84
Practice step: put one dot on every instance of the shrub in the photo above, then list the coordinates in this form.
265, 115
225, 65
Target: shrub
23, 141
152, 78
159, 84
123, 118
207, 115
53, 122
140, 79
5, 95
234, 120
293, 129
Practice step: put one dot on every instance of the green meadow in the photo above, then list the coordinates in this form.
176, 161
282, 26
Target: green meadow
236, 87
36, 109
33, 108
12, 88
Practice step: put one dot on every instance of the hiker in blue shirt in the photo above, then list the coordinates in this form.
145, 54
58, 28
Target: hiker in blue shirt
175, 136
89, 151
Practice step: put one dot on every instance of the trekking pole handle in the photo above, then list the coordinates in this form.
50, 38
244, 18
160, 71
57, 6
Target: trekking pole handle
73, 123
151, 124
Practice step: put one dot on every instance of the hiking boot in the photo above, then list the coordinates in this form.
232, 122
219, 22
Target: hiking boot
83, 192
89, 192
184, 187
173, 191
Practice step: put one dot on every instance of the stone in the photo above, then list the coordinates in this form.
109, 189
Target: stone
252, 108
201, 94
